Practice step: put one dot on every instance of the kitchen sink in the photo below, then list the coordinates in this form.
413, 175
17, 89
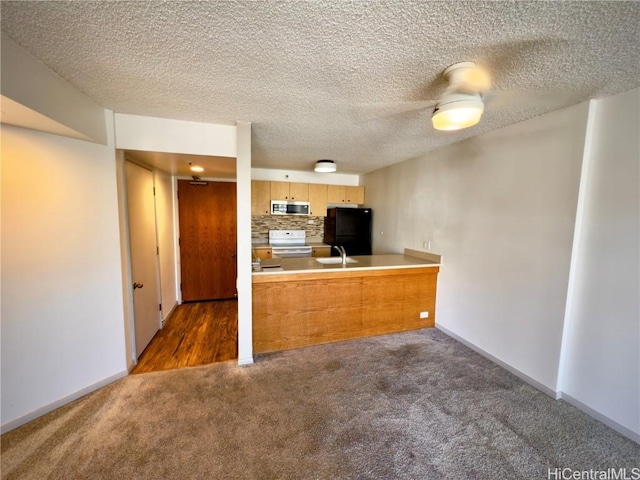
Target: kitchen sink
334, 260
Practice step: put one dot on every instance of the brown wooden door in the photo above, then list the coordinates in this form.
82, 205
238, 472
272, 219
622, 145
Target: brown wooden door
207, 240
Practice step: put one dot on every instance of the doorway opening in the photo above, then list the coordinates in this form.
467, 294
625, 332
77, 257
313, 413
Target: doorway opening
199, 234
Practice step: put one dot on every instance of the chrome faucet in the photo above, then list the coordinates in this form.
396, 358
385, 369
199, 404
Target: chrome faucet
343, 253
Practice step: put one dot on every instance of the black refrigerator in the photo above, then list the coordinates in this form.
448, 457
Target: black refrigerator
349, 227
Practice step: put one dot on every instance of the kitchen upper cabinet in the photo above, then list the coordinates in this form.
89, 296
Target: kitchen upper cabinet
336, 193
280, 190
345, 194
355, 195
260, 197
318, 195
299, 191
290, 191
318, 200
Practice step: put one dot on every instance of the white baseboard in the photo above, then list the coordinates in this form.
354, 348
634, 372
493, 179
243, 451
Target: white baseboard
630, 434
6, 427
168, 315
522, 376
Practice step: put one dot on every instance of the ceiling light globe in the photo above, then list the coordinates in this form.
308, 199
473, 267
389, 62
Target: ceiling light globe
457, 115
325, 166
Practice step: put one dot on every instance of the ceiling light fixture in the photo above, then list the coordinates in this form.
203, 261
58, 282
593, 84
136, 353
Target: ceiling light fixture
457, 111
325, 166
196, 168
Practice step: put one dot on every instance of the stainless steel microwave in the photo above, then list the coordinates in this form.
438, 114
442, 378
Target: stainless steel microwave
284, 207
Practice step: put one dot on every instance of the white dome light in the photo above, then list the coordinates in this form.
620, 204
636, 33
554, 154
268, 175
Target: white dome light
457, 111
325, 166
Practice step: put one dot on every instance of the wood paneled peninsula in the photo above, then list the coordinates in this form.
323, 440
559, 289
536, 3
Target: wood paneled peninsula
300, 302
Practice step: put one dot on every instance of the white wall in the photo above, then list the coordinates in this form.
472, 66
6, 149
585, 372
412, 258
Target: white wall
243, 192
62, 306
602, 360
165, 205
151, 134
501, 210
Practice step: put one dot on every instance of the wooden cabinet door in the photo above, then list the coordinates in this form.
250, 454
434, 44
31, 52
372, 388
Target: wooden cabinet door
318, 200
336, 193
260, 197
263, 253
280, 191
299, 192
321, 252
207, 240
355, 195
345, 194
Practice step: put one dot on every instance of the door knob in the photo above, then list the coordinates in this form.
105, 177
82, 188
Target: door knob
137, 285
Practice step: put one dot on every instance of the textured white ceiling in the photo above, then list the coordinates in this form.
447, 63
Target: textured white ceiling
180, 164
326, 79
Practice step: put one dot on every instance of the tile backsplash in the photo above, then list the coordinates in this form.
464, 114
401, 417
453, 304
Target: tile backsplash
261, 224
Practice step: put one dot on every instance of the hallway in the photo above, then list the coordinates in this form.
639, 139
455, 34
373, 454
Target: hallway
195, 334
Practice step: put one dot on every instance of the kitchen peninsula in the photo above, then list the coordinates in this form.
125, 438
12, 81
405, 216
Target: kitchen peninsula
300, 302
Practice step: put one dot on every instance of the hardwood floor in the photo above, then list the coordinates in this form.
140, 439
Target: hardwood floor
195, 334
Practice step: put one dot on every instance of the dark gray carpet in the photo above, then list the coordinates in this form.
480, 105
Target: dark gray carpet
415, 405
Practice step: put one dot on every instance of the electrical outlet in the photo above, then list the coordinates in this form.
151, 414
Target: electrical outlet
424, 314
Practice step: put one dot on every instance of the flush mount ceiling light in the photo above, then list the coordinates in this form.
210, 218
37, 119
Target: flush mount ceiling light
325, 166
461, 105
456, 111
196, 168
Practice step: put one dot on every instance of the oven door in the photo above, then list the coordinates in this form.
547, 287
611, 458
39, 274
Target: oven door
291, 252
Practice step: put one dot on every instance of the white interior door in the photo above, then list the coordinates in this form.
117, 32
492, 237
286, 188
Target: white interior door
142, 237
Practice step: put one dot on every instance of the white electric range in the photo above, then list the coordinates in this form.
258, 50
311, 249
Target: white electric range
288, 244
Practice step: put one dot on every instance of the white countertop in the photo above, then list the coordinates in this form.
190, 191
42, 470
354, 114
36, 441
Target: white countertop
364, 262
